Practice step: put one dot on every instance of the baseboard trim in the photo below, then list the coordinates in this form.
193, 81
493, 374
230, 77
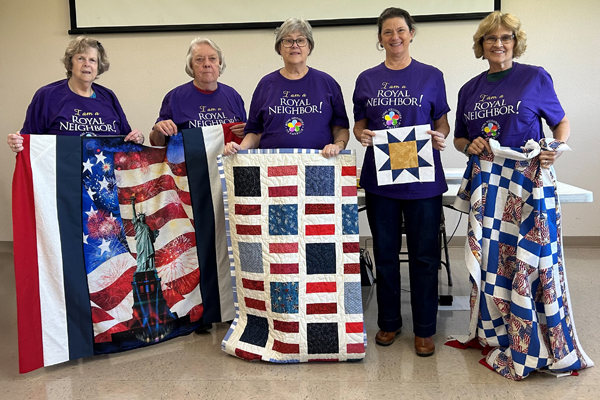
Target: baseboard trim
569, 241
581, 241
6, 247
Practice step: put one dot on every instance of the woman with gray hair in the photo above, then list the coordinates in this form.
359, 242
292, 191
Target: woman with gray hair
203, 101
296, 106
77, 106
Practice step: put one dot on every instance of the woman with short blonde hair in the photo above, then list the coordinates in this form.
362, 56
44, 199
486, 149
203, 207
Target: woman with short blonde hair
520, 307
58, 108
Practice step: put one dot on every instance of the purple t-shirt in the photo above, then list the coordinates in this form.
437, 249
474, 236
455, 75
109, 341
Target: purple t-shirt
189, 108
296, 113
417, 96
509, 110
57, 110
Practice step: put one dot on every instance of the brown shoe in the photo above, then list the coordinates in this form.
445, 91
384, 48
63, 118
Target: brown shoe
386, 338
424, 346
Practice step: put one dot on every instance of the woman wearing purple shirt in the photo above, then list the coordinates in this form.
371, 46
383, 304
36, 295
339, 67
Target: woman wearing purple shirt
77, 106
203, 101
508, 101
415, 93
296, 106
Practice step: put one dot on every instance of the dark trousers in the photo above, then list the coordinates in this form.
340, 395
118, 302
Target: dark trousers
422, 224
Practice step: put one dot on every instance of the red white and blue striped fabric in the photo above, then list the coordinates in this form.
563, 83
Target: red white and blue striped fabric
53, 305
66, 314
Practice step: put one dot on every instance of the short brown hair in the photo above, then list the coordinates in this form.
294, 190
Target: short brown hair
81, 45
497, 20
394, 12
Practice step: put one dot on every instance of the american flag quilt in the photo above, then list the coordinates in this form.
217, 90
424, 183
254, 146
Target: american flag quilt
404, 155
292, 224
109, 254
120, 183
521, 311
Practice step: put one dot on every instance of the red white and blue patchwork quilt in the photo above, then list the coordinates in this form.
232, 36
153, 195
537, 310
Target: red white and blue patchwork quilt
292, 225
521, 314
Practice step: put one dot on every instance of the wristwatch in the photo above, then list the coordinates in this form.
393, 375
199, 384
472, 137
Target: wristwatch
465, 150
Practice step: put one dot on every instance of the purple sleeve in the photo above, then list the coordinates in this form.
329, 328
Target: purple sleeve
339, 116
549, 107
124, 127
240, 104
165, 112
359, 100
34, 120
255, 122
460, 128
440, 108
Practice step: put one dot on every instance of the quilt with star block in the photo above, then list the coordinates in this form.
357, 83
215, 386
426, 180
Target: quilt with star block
404, 155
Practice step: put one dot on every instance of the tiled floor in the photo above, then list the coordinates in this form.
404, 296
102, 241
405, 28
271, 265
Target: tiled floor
195, 367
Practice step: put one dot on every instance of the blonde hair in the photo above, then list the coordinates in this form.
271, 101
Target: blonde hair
497, 20
81, 45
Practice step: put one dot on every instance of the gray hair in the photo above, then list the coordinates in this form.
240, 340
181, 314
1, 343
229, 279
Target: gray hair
196, 42
81, 45
290, 26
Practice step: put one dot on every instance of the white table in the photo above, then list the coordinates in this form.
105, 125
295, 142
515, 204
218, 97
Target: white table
566, 193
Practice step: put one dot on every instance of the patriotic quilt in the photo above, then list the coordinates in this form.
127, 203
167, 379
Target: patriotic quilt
292, 220
404, 155
131, 304
521, 314
81, 209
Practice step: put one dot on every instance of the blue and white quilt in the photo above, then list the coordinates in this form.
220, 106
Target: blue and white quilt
520, 305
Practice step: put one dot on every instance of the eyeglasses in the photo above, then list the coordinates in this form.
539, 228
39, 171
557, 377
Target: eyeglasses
493, 39
301, 42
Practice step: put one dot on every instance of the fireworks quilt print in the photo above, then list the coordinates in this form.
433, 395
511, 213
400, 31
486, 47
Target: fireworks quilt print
80, 288
521, 313
292, 222
119, 177
404, 155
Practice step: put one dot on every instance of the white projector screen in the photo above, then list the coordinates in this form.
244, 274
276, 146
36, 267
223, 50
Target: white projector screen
105, 16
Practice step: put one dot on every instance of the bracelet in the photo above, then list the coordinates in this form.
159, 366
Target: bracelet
465, 150
341, 140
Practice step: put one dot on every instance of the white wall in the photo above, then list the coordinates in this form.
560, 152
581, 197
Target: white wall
563, 38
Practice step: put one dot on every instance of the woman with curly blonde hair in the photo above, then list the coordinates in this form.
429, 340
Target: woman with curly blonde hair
524, 94
77, 106
521, 313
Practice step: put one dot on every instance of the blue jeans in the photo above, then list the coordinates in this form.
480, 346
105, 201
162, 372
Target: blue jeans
422, 224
